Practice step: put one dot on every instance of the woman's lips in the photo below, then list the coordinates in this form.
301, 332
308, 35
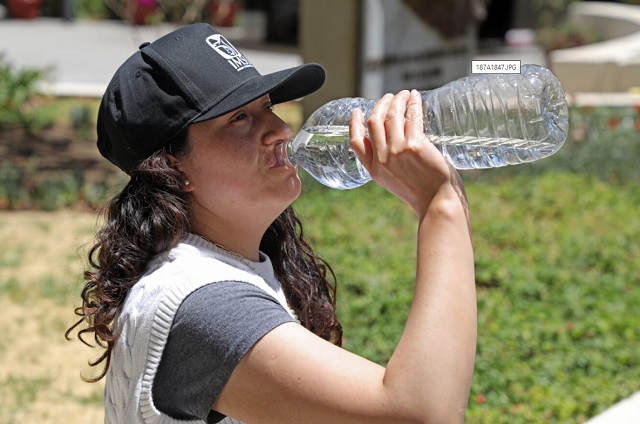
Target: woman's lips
279, 155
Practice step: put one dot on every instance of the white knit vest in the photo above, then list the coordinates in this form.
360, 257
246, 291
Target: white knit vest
146, 317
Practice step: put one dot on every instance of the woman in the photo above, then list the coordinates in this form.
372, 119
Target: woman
210, 302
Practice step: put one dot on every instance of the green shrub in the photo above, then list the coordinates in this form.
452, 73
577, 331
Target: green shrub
90, 9
81, 117
58, 191
30, 189
603, 142
17, 89
11, 189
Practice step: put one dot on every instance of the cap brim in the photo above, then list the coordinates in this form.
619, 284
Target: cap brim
283, 86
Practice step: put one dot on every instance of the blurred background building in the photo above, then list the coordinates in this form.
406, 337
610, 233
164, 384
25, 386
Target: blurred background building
370, 47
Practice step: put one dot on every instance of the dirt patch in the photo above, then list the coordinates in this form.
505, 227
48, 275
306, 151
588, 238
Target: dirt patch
43, 248
52, 150
41, 262
40, 370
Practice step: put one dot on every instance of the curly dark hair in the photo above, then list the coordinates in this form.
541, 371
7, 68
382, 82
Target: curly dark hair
150, 216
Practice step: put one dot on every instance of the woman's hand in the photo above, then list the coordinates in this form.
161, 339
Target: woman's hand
398, 154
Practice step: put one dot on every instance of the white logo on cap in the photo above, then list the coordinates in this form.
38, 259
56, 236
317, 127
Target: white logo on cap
225, 49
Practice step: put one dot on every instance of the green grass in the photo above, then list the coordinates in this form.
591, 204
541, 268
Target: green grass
22, 392
558, 288
558, 295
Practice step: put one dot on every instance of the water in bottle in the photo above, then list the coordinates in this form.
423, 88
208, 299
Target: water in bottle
480, 121
324, 154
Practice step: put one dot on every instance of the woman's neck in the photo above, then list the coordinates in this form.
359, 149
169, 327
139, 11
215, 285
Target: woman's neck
242, 239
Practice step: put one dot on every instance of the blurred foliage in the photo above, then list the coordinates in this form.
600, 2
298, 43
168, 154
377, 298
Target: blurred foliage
18, 87
90, 9
566, 35
24, 185
155, 11
64, 188
551, 13
602, 142
555, 30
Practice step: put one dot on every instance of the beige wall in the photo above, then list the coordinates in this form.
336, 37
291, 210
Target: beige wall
329, 35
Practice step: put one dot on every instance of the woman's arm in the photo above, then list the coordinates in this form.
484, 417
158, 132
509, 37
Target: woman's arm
291, 375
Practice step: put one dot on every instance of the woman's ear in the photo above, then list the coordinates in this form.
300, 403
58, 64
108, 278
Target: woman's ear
175, 164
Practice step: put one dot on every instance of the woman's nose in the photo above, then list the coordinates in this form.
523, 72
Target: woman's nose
279, 131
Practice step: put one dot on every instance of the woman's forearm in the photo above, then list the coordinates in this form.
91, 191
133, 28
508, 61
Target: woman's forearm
432, 366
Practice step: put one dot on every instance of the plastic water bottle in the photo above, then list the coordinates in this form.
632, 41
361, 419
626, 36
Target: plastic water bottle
479, 121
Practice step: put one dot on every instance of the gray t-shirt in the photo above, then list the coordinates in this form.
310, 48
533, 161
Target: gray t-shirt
213, 329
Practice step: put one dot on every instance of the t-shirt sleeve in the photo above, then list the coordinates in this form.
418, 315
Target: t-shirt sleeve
213, 329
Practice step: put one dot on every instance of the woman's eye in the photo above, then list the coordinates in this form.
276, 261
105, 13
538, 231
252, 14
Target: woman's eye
239, 117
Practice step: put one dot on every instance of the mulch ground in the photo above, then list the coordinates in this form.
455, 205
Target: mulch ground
52, 149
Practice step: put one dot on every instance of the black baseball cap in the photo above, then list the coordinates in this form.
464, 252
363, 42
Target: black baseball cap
189, 75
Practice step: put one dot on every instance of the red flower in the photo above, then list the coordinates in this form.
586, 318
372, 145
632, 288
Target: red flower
614, 122
480, 398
